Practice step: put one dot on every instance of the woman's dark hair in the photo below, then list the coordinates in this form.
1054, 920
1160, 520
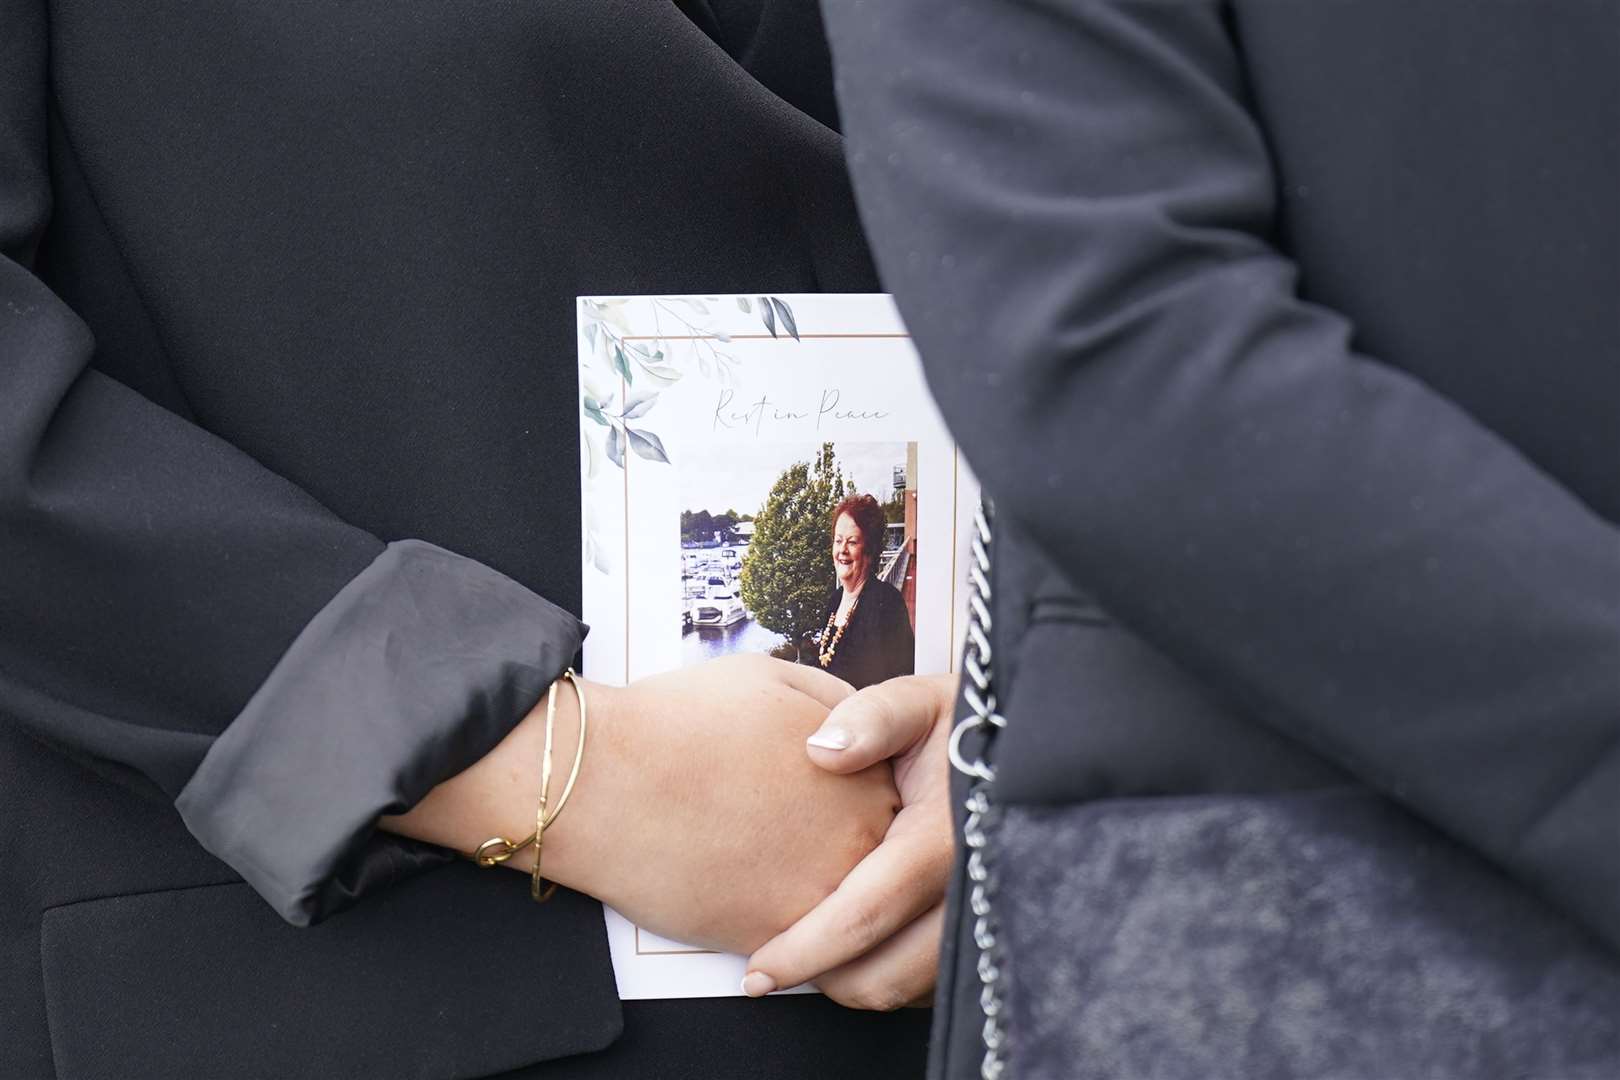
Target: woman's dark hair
867, 514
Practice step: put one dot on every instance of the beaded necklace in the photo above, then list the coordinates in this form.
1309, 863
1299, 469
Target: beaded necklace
831, 637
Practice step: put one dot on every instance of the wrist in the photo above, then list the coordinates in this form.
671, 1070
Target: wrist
498, 795
576, 852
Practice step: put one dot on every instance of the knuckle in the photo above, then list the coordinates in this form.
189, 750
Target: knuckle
862, 926
877, 712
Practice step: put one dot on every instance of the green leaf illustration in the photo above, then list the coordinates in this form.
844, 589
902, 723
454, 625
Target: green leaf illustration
615, 447
785, 313
639, 403
593, 410
742, 302
620, 364
664, 374
647, 445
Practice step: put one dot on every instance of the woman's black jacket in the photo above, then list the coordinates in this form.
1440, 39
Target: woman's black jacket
289, 506
1284, 335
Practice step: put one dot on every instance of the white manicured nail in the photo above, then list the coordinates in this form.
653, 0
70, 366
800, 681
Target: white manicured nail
757, 984
831, 738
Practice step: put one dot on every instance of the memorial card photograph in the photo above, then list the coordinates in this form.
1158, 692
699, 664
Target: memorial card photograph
761, 475
762, 570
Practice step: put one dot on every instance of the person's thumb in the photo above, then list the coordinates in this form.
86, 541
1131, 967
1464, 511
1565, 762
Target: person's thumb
882, 721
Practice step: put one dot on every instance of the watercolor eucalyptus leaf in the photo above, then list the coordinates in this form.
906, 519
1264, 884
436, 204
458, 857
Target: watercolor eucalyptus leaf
621, 365
785, 313
661, 375
639, 403
593, 410
720, 335
615, 447
611, 312
597, 390
646, 445
590, 334
747, 308
768, 315
666, 375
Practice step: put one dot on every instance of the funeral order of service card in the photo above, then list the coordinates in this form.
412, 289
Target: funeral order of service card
717, 435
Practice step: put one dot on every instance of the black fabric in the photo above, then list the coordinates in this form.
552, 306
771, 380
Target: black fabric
802, 1037
1340, 549
414, 671
781, 45
284, 285
877, 642
1151, 728
443, 978
1283, 336
1244, 927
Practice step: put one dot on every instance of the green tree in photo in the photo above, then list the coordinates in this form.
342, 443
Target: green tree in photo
787, 572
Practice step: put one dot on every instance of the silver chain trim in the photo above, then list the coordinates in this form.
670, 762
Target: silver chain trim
980, 695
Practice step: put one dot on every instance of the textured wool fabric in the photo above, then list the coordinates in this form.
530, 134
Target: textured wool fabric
1283, 335
1328, 936
1293, 483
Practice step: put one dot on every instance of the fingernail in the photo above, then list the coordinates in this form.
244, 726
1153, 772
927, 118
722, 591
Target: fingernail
830, 738
757, 984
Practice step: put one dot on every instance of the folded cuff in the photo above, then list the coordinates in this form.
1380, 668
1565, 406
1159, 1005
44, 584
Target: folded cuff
415, 669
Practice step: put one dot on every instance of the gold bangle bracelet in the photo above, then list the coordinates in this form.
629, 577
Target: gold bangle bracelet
579, 748
542, 818
498, 849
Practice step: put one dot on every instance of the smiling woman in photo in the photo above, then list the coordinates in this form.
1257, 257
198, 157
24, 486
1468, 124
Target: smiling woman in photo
866, 632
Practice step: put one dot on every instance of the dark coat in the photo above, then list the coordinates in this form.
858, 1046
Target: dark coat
284, 284
877, 643
1284, 336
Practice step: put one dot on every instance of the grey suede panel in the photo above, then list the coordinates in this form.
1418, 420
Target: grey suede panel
412, 672
1324, 936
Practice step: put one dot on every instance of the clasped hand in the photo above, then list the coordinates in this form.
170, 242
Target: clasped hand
744, 804
825, 852
873, 943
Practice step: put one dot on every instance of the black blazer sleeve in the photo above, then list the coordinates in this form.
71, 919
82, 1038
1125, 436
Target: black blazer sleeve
1072, 203
157, 592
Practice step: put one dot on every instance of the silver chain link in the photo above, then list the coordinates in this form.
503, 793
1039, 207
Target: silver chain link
980, 695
